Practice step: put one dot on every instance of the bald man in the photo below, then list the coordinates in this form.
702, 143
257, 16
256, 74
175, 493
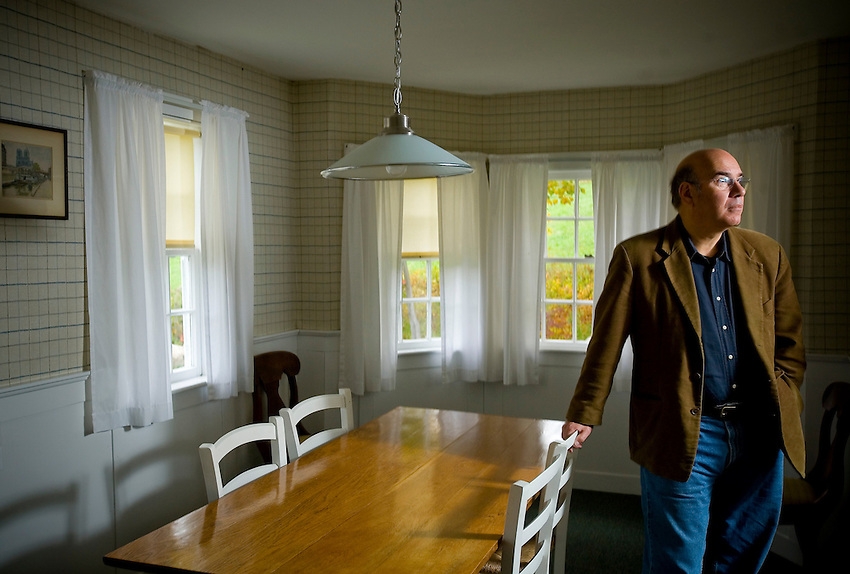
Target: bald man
716, 330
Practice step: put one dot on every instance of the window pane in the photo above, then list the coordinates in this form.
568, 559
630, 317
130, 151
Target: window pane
570, 249
560, 239
420, 300
415, 278
435, 320
559, 281
178, 343
585, 282
561, 198
586, 240
435, 278
175, 279
414, 320
559, 322
585, 322
585, 203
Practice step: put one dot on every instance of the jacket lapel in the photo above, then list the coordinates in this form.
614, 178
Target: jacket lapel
677, 266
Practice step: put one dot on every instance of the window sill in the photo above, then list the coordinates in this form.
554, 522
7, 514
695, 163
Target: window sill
418, 350
564, 347
545, 347
188, 384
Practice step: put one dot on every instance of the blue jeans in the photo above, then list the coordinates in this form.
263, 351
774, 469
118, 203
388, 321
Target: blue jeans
724, 517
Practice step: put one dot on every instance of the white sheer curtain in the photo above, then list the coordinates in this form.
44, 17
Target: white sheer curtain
629, 198
516, 214
767, 156
460, 201
125, 257
371, 267
227, 250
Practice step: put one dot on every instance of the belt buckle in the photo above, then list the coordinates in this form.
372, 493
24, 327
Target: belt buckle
726, 409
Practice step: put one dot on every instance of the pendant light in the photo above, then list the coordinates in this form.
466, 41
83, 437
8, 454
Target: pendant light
397, 153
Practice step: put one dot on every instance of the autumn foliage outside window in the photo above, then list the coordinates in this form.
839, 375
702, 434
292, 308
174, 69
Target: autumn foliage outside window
567, 310
567, 313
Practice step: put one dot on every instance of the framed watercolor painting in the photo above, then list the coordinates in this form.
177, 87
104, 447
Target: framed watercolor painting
35, 171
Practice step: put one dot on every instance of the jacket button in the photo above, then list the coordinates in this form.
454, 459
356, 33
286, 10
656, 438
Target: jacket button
695, 411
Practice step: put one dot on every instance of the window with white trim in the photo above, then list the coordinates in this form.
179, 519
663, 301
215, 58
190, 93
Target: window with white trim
420, 265
182, 157
569, 255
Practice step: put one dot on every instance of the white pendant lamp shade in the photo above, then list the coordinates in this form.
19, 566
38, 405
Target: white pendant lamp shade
397, 153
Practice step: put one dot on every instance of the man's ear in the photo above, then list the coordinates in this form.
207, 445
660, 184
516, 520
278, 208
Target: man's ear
686, 191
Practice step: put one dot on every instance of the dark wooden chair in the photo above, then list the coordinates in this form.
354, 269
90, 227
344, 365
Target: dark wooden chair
815, 504
269, 370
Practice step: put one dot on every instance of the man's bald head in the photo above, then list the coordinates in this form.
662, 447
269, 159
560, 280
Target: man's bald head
696, 166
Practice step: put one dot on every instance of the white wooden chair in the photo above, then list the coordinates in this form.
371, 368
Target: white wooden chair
526, 548
212, 453
292, 417
562, 511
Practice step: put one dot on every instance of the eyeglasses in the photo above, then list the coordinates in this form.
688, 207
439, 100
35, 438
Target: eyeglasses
725, 182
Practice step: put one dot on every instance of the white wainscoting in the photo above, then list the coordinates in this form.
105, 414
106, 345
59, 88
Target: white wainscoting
67, 497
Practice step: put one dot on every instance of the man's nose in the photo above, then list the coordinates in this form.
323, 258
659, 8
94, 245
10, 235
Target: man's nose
738, 189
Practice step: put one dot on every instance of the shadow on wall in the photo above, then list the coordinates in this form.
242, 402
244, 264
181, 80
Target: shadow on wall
155, 487
55, 515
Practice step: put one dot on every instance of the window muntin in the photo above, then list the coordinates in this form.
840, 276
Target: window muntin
567, 310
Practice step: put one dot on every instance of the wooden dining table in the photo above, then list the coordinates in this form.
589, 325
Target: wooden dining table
414, 491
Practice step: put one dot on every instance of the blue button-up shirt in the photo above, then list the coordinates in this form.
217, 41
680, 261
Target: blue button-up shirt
713, 277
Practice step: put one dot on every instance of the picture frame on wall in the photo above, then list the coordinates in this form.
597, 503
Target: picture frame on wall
35, 171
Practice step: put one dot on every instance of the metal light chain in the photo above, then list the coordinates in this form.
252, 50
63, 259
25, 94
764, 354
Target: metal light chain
397, 82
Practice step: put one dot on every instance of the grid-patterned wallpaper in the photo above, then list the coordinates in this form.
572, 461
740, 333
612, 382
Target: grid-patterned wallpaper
44, 47
296, 129
806, 87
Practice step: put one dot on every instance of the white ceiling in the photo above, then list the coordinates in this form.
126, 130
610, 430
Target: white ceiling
489, 46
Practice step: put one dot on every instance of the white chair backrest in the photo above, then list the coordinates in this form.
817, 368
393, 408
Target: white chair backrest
517, 533
562, 511
292, 416
212, 453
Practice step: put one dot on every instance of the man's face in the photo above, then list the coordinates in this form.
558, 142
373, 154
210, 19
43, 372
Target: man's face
715, 206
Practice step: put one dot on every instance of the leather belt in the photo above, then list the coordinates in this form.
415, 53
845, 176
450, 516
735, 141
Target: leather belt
727, 411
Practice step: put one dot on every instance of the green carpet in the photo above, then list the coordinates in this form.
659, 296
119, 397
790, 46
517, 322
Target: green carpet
605, 534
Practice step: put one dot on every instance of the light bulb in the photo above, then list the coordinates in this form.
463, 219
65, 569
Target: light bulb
396, 169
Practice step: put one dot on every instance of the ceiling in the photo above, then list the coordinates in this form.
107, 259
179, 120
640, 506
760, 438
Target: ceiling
489, 47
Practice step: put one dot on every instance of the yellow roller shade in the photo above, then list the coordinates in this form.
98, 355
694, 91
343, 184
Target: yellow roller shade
420, 231
180, 183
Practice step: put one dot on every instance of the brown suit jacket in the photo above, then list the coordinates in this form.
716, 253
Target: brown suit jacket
650, 295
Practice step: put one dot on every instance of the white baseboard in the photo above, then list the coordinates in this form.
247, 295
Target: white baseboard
607, 482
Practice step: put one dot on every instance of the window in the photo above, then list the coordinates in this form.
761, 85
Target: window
420, 264
567, 310
182, 151
569, 256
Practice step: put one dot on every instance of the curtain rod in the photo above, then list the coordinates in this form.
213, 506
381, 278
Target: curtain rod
183, 101
167, 97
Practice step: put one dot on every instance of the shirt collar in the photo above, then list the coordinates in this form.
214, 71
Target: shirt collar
722, 245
